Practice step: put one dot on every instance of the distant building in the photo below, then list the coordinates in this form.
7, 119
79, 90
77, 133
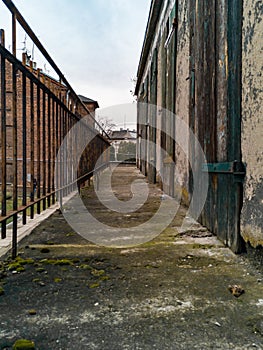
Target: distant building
89, 103
120, 136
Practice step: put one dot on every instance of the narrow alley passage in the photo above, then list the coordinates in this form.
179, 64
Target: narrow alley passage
64, 292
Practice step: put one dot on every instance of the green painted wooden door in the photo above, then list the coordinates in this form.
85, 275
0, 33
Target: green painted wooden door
215, 110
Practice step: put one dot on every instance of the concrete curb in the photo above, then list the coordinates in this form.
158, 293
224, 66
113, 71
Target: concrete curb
25, 230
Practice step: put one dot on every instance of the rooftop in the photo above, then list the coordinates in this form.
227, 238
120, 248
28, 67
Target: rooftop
123, 134
85, 99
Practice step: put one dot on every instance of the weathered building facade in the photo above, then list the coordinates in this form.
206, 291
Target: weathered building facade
120, 138
201, 63
252, 121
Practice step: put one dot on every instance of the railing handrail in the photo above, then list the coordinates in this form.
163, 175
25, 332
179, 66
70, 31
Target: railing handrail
39, 114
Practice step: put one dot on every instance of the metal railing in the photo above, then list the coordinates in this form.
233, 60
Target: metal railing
37, 112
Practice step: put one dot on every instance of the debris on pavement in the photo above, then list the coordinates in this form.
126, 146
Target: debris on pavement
236, 290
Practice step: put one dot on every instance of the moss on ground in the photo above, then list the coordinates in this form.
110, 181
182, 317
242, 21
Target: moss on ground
24, 344
97, 273
60, 262
57, 280
63, 262
36, 280
22, 261
13, 266
20, 269
85, 267
48, 261
40, 269
104, 278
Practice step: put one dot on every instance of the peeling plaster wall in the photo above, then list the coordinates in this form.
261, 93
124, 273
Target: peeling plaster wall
182, 95
159, 117
252, 122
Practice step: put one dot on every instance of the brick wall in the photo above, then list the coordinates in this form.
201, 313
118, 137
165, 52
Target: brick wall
35, 141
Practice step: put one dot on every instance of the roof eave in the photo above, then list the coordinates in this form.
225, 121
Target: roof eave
155, 9
87, 100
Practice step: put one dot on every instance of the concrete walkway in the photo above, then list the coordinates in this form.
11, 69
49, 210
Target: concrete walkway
175, 291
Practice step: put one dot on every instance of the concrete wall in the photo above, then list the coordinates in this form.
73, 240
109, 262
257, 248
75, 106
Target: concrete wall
252, 122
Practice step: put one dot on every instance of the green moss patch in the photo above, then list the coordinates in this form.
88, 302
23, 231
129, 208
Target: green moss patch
20, 269
85, 267
104, 278
13, 266
36, 280
97, 273
2, 292
24, 344
70, 234
48, 261
63, 262
40, 269
57, 280
22, 261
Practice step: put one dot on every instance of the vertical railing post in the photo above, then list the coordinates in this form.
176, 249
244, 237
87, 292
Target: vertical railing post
3, 142
53, 147
49, 149
14, 34
38, 150
32, 144
24, 144
44, 148
57, 144
15, 183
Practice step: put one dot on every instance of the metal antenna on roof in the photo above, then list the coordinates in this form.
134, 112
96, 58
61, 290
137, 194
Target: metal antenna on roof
33, 51
24, 42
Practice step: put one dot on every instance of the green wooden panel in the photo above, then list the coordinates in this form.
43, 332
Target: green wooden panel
221, 213
223, 207
235, 9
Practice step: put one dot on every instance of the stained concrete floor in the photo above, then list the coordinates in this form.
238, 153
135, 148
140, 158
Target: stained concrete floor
64, 292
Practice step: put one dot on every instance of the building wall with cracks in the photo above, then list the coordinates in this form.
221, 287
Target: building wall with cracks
196, 64
165, 83
252, 121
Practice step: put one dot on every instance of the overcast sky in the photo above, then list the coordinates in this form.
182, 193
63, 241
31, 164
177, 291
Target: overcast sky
95, 43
